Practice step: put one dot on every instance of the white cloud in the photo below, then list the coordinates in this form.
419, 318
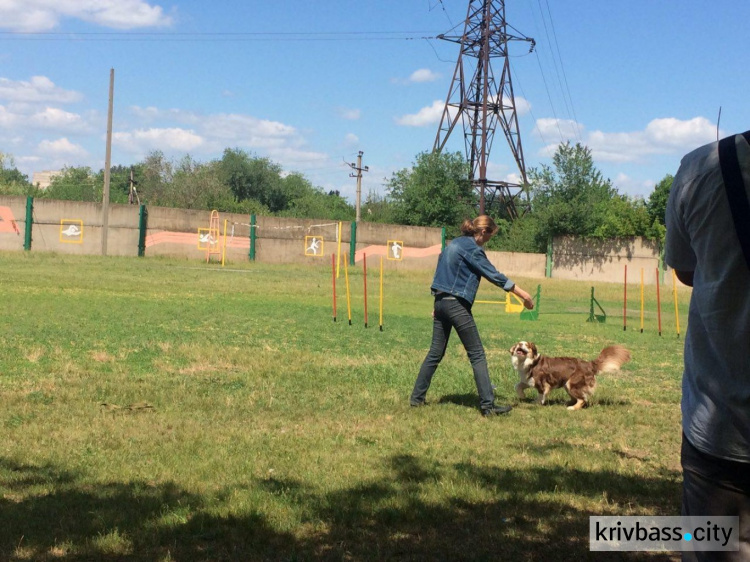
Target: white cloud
681, 134
147, 114
142, 141
349, 114
351, 140
176, 132
17, 118
423, 75
523, 106
61, 148
661, 136
558, 128
426, 116
224, 128
39, 89
625, 184
247, 130
44, 15
53, 118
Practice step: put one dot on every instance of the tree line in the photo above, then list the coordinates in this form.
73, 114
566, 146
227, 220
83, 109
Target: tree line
568, 197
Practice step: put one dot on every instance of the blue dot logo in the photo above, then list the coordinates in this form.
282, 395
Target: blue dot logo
688, 537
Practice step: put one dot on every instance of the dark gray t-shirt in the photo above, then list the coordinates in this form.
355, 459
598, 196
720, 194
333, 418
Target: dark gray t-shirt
701, 238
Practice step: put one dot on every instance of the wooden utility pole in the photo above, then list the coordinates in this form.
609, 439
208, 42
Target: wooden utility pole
132, 191
358, 167
107, 164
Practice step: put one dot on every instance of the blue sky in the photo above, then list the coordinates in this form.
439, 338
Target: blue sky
309, 84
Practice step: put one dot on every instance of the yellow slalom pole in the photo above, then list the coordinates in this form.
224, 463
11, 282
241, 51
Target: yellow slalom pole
338, 251
676, 310
224, 246
381, 293
641, 300
348, 298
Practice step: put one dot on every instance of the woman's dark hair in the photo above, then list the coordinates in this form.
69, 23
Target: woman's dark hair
479, 224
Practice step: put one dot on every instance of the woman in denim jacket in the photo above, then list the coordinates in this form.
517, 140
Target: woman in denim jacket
460, 268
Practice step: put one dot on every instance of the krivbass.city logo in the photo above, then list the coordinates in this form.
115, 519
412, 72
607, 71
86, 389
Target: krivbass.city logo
642, 533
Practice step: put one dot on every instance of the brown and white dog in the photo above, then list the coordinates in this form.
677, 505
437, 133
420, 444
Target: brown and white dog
577, 376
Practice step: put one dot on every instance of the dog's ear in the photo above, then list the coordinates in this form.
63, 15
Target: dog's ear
532, 346
513, 349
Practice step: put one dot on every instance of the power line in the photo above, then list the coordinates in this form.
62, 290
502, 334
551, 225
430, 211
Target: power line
562, 67
531, 111
215, 36
549, 97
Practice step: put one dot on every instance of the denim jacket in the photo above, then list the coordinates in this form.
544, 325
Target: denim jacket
460, 268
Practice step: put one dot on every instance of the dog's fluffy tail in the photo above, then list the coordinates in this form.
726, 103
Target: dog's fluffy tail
612, 358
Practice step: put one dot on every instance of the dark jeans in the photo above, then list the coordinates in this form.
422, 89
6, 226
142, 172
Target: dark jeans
454, 313
714, 486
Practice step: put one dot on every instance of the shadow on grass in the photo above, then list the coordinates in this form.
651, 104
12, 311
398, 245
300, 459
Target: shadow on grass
470, 400
516, 516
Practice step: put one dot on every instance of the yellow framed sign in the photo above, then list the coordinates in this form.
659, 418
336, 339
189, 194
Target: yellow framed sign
395, 250
314, 246
207, 237
71, 231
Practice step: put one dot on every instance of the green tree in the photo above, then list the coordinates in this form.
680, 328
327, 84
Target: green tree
197, 186
156, 179
435, 192
12, 181
657, 201
253, 178
377, 208
569, 198
622, 217
76, 184
520, 235
307, 201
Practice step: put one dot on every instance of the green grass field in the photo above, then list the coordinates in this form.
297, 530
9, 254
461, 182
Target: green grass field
171, 410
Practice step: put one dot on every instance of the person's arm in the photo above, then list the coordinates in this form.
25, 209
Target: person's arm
678, 250
489, 272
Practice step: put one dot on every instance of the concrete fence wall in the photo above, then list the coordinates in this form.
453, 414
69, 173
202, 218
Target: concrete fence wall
605, 260
76, 228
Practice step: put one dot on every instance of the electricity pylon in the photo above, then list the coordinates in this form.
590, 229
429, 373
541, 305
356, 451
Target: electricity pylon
483, 101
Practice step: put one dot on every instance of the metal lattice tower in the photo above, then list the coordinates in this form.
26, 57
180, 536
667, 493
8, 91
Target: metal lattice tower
483, 101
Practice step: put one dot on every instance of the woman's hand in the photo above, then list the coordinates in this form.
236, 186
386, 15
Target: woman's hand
524, 296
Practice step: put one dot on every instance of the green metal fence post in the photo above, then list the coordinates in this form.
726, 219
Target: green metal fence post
142, 228
29, 222
548, 271
252, 238
442, 240
353, 243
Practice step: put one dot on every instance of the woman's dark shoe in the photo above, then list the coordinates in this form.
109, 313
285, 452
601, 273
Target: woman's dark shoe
496, 411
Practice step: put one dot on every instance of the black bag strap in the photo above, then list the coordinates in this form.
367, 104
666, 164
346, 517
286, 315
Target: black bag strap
735, 188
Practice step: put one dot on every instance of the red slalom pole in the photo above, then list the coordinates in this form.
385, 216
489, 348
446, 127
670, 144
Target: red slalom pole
333, 269
658, 300
364, 272
625, 302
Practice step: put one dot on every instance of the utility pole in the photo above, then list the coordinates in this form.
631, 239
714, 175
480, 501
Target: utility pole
480, 102
107, 164
358, 167
132, 192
